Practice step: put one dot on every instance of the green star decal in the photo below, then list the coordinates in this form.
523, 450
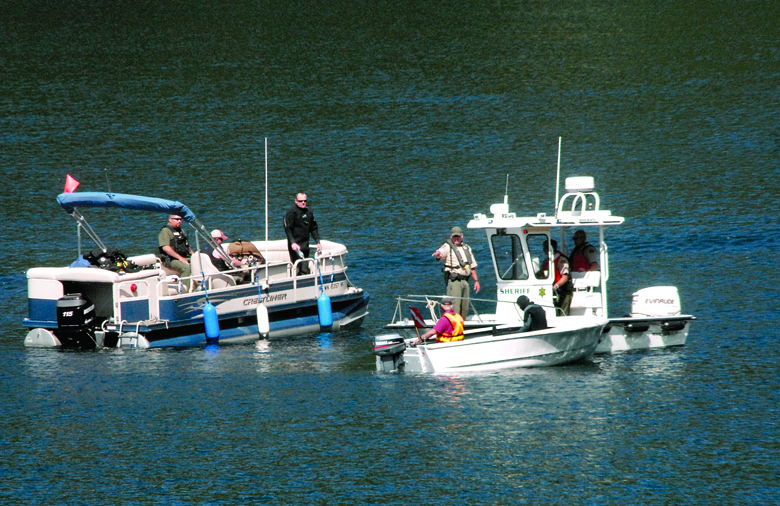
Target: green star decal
541, 292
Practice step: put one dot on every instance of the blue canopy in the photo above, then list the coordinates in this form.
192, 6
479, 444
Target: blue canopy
70, 201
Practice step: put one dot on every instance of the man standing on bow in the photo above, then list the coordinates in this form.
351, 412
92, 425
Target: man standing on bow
299, 224
459, 266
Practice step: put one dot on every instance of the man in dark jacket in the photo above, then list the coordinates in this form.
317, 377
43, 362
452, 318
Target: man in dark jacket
299, 224
535, 317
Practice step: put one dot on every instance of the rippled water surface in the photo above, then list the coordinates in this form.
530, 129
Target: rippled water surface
400, 120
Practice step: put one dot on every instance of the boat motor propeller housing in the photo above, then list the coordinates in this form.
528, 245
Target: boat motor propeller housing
389, 350
75, 318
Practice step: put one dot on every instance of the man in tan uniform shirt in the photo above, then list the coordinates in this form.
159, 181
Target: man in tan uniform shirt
459, 266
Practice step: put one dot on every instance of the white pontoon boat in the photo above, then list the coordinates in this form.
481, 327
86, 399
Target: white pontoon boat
516, 245
137, 301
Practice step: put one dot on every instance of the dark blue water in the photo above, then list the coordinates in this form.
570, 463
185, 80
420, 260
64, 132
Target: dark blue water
399, 120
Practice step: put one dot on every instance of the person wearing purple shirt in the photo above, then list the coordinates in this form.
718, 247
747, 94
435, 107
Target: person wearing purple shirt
448, 328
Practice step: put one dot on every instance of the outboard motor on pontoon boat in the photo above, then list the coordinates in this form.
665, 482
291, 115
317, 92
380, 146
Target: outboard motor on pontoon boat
75, 320
389, 350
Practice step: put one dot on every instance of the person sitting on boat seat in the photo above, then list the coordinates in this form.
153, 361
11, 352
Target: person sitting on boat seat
175, 251
584, 256
216, 258
448, 328
535, 317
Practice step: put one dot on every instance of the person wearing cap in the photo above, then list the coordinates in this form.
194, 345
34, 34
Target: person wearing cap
448, 328
299, 224
459, 266
216, 259
175, 248
535, 318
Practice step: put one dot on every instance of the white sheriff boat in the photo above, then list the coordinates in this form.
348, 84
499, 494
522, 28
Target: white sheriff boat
137, 301
516, 246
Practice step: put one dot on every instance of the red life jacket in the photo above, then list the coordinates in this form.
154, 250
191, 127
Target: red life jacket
545, 266
578, 262
457, 329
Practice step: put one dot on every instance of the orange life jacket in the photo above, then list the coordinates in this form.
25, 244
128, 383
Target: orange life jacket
457, 329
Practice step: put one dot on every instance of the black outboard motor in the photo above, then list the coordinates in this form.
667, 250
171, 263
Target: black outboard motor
75, 320
389, 350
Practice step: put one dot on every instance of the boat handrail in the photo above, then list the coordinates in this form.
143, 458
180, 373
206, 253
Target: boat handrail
428, 299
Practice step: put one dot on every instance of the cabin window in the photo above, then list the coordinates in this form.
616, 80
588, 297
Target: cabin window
510, 262
536, 244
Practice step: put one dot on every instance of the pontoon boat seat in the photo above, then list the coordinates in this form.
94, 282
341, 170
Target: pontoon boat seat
214, 278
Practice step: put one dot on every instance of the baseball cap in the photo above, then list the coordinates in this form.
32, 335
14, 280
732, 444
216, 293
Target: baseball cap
217, 234
456, 231
446, 301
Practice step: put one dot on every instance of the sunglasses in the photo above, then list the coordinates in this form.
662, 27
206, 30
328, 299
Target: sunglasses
304, 200
176, 219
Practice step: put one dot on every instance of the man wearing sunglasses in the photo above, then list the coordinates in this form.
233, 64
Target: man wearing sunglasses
175, 249
299, 224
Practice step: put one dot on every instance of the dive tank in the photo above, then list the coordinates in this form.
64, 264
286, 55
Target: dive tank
75, 321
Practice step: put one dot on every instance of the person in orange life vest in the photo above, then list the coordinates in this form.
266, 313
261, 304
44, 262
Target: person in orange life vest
584, 256
562, 283
448, 328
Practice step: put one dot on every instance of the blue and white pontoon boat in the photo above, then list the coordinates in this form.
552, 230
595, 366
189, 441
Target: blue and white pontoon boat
137, 301
516, 245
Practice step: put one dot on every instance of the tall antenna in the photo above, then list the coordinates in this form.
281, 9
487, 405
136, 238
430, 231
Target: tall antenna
266, 207
506, 190
266, 192
105, 171
558, 176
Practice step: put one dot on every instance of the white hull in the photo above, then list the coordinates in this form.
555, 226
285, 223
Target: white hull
619, 339
487, 350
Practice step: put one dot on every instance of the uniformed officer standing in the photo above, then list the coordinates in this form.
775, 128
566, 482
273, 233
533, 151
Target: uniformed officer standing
459, 265
299, 224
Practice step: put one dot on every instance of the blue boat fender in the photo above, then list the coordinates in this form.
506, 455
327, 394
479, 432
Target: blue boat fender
325, 311
211, 322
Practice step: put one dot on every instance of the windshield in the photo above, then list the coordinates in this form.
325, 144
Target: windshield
508, 251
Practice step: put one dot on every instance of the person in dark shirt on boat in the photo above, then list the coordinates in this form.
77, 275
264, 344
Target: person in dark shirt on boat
175, 249
299, 224
448, 328
584, 256
535, 317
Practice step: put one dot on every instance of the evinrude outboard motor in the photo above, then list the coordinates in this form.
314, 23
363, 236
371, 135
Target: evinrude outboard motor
75, 319
389, 350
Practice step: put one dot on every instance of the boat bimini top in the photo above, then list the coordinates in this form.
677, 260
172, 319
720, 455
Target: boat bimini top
72, 201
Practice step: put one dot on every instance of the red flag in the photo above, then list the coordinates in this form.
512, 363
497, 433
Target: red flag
70, 184
419, 321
